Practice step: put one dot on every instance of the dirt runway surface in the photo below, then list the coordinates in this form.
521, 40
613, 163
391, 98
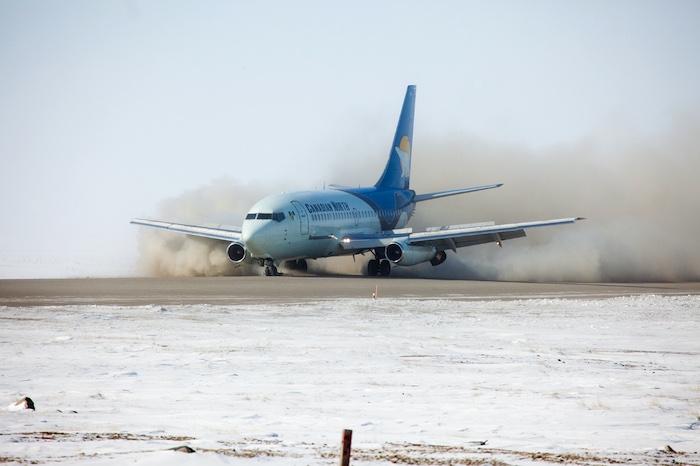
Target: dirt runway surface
288, 289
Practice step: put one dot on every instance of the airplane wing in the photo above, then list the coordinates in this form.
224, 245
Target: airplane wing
220, 232
450, 237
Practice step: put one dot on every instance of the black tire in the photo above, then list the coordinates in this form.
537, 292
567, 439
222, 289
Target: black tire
384, 268
372, 268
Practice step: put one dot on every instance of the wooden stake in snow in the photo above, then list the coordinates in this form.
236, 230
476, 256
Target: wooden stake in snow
346, 447
376, 292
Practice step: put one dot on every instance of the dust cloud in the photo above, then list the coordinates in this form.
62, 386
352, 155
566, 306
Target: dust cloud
166, 254
640, 196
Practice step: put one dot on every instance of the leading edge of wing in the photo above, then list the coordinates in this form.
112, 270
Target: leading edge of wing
453, 192
220, 233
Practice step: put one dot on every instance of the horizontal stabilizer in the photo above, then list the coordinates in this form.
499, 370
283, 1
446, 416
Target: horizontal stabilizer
426, 197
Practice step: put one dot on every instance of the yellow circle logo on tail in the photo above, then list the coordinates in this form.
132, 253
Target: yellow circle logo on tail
405, 145
404, 152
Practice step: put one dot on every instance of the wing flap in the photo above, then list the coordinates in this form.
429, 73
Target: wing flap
220, 232
450, 237
470, 235
472, 240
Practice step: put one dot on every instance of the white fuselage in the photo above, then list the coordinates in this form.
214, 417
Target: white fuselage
310, 224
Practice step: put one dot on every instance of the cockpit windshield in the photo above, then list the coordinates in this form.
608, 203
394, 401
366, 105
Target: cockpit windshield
276, 216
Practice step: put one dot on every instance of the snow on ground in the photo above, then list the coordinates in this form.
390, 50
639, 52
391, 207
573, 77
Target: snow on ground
418, 382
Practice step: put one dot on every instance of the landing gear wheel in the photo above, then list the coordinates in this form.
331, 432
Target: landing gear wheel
372, 268
271, 269
384, 268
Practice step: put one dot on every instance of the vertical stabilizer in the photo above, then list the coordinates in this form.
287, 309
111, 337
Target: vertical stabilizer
397, 173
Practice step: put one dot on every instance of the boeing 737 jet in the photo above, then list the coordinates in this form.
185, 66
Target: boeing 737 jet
291, 228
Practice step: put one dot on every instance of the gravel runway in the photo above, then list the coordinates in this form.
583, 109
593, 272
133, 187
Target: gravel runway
294, 289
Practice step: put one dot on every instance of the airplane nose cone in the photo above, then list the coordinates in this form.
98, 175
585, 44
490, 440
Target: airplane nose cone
256, 236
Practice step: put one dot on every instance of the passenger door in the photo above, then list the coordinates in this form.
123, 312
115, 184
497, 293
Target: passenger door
303, 217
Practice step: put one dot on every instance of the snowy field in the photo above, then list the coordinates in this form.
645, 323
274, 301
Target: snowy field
419, 382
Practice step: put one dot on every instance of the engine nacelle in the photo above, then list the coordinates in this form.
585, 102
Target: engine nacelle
236, 252
439, 258
404, 254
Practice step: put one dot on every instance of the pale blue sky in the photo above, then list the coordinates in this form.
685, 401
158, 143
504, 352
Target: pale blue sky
108, 108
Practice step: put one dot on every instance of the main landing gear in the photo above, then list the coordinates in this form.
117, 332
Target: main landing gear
378, 267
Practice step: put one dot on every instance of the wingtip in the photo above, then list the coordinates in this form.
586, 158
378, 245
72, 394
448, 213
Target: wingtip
580, 218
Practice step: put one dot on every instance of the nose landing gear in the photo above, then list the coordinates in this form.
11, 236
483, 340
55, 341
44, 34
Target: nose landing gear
271, 268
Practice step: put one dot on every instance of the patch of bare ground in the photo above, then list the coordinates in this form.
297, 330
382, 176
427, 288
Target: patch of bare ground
91, 436
439, 455
417, 454
472, 454
13, 460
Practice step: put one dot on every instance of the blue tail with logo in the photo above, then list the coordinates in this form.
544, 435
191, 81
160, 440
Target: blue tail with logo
397, 174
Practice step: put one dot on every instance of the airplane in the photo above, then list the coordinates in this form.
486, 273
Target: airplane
293, 227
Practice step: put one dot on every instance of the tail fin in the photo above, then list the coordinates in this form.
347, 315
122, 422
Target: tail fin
397, 173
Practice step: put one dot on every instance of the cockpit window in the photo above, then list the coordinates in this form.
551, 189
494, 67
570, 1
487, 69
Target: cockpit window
277, 216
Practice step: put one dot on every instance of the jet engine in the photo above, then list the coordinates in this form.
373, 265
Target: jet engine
236, 252
439, 258
405, 254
